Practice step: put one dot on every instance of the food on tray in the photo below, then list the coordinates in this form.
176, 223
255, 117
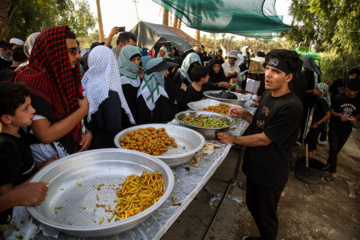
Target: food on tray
224, 94
208, 122
221, 108
148, 140
138, 193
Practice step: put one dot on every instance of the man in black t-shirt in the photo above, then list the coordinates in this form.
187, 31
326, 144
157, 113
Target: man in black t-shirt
273, 130
345, 111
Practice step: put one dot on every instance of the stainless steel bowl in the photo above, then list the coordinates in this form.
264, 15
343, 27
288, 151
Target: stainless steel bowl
188, 141
208, 133
240, 101
200, 105
91, 168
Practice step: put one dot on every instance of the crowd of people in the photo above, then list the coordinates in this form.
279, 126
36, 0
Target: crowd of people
55, 103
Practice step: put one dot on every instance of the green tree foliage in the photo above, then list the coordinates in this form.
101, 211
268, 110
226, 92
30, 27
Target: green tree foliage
326, 25
36, 15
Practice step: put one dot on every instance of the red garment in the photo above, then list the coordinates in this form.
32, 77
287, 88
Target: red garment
54, 86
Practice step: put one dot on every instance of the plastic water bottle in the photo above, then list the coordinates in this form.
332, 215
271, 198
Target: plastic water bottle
214, 201
254, 97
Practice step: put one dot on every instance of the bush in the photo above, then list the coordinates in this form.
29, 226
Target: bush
334, 66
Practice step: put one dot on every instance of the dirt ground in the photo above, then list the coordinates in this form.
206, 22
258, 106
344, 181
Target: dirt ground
307, 211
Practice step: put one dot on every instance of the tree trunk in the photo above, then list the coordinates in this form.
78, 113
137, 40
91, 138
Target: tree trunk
175, 22
5, 17
179, 24
165, 17
197, 35
101, 29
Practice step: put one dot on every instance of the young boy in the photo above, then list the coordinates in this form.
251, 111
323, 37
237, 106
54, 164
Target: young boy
233, 78
345, 111
199, 77
321, 115
17, 165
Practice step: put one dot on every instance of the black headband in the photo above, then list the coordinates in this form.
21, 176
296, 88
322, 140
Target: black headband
280, 65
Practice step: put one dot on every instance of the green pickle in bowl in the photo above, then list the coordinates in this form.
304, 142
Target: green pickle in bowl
208, 122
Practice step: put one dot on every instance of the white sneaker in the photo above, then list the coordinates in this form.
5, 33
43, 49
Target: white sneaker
322, 143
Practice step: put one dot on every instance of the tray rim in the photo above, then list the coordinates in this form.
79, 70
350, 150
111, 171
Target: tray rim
128, 221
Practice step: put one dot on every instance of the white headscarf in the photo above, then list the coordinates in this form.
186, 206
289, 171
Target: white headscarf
28, 46
102, 76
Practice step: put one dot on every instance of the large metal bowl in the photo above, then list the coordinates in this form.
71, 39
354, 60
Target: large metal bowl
188, 141
91, 168
240, 101
208, 133
205, 103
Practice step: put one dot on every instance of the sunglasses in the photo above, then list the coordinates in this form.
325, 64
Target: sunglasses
74, 51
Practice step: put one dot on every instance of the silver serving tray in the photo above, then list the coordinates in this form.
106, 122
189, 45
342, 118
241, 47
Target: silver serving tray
91, 168
240, 101
200, 105
188, 141
208, 133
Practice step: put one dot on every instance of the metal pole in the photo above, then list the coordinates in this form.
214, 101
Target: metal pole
136, 10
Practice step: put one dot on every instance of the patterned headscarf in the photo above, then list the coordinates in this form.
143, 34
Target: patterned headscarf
126, 67
190, 59
153, 84
310, 63
102, 76
116, 51
324, 89
54, 86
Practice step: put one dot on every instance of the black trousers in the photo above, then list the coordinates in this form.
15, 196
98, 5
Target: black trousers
337, 139
312, 137
262, 202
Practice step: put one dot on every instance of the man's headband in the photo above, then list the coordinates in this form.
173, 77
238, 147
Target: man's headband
280, 65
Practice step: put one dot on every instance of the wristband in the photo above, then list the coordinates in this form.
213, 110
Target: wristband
87, 131
234, 139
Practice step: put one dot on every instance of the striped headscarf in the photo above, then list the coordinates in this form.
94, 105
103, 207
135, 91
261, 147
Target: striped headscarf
126, 67
54, 86
310, 63
324, 89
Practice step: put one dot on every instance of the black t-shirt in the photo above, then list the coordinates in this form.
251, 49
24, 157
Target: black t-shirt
320, 110
337, 87
191, 95
345, 105
279, 118
16, 164
309, 99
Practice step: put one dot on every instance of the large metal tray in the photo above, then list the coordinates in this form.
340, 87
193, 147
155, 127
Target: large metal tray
205, 103
240, 101
188, 141
208, 133
91, 168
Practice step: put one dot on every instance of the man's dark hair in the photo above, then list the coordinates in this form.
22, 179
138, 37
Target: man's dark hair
70, 34
18, 54
289, 56
353, 84
231, 74
260, 54
125, 37
220, 50
12, 96
199, 72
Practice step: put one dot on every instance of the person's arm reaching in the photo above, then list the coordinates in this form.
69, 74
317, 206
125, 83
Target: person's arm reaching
114, 31
26, 194
242, 113
255, 140
47, 133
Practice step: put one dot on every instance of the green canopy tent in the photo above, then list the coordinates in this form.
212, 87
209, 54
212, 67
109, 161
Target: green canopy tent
252, 18
310, 53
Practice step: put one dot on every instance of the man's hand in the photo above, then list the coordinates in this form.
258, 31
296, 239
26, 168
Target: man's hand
183, 87
237, 112
85, 142
344, 118
29, 194
83, 105
114, 31
226, 85
352, 120
225, 137
43, 164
